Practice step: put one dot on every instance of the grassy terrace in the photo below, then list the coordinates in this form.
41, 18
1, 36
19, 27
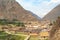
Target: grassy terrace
34, 38
5, 36
8, 35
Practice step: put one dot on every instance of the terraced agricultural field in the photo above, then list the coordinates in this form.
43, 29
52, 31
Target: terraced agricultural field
5, 36
34, 38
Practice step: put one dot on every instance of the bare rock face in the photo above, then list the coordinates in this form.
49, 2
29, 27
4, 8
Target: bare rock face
55, 32
10, 9
52, 15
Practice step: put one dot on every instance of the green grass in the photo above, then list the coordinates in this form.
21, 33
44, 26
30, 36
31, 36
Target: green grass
36, 38
22, 33
5, 36
33, 38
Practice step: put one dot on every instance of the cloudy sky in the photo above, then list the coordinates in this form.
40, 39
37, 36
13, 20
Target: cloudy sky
39, 7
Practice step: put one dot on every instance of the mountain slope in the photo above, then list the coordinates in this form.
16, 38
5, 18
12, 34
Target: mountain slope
55, 31
52, 15
10, 9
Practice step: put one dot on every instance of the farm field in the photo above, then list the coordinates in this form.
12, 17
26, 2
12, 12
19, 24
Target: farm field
5, 36
34, 38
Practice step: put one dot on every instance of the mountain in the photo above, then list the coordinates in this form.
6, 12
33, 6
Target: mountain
10, 9
55, 31
52, 15
34, 15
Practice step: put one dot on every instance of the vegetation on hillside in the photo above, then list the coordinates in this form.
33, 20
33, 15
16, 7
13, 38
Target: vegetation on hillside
14, 22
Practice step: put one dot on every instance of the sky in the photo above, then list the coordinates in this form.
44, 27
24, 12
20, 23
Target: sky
39, 7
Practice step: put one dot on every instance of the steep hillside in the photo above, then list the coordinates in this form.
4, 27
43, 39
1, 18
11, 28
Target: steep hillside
55, 31
52, 15
10, 9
